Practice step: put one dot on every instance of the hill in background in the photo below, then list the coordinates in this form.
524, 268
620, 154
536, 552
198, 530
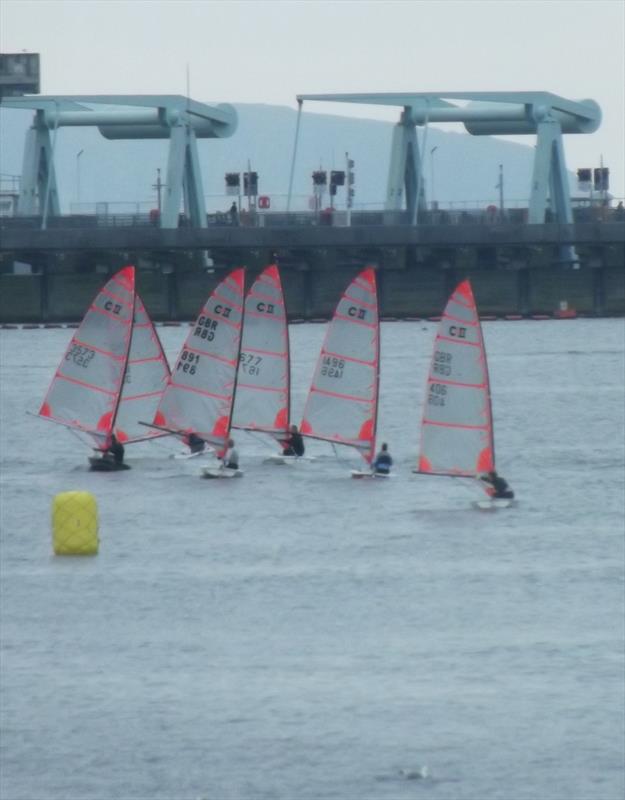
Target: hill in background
466, 167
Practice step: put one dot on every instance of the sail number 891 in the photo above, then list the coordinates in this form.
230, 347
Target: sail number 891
188, 362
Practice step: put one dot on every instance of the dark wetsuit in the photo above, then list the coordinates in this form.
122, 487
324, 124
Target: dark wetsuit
383, 463
502, 490
196, 445
294, 445
116, 449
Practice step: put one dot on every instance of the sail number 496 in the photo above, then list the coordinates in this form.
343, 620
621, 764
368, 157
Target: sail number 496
332, 367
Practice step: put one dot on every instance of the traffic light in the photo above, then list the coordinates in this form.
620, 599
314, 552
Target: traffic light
320, 178
602, 179
337, 178
250, 183
233, 182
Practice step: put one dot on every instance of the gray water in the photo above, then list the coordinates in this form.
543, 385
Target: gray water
296, 634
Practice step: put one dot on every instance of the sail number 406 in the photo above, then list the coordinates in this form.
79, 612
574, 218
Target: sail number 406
437, 394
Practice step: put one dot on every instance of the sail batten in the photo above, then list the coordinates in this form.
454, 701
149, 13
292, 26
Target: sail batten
263, 379
342, 403
457, 427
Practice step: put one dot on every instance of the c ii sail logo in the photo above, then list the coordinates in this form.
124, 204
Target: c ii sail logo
358, 313
265, 308
458, 331
223, 310
114, 308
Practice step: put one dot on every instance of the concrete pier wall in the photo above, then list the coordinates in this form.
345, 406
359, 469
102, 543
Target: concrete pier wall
311, 293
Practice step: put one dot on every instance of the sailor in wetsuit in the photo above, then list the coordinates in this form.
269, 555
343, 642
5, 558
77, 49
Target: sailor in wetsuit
194, 443
498, 488
231, 457
294, 444
115, 450
383, 461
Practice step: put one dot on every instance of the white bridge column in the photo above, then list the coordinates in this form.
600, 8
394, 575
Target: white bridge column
37, 172
404, 167
549, 178
184, 181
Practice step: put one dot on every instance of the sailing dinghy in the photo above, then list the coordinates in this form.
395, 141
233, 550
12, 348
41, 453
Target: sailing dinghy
342, 405
457, 426
113, 372
263, 396
199, 396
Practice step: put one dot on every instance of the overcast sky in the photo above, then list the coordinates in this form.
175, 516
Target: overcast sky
268, 51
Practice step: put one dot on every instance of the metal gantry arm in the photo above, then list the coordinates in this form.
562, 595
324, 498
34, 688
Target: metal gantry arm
173, 117
486, 114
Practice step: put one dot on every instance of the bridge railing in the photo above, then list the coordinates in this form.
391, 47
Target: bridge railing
301, 219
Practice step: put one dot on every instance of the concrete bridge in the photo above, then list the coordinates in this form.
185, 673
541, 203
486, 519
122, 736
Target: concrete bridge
516, 269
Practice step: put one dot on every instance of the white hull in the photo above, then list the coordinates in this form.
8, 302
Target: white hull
280, 459
356, 473
492, 504
188, 456
221, 472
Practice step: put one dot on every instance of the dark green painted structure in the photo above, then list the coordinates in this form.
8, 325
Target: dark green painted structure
515, 268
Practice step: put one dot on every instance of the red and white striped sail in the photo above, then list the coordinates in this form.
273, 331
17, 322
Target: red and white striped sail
147, 373
342, 404
200, 393
86, 388
263, 384
457, 426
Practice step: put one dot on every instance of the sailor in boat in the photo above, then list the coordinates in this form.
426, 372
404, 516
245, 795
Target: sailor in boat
194, 443
383, 461
497, 487
293, 445
115, 450
231, 457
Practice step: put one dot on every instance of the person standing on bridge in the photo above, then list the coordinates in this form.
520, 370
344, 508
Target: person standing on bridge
234, 214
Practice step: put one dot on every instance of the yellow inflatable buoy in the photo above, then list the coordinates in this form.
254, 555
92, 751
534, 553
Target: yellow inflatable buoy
75, 524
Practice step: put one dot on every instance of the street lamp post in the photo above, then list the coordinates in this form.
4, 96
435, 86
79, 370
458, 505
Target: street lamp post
432, 151
78, 155
158, 186
500, 187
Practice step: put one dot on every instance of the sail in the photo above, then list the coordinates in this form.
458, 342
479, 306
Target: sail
343, 400
263, 382
84, 393
457, 427
199, 395
147, 373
